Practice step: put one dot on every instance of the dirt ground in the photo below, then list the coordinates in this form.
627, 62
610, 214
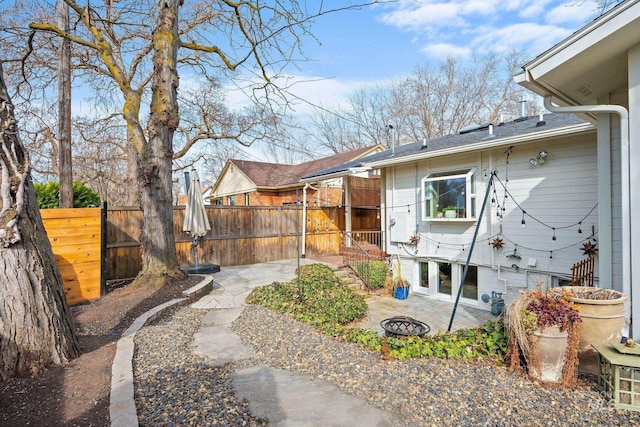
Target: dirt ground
78, 394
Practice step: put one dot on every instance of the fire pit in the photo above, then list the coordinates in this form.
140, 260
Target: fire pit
404, 326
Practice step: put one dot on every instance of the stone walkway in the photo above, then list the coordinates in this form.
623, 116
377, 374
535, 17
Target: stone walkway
285, 398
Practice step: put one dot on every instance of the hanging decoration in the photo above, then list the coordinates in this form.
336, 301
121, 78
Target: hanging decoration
590, 248
497, 243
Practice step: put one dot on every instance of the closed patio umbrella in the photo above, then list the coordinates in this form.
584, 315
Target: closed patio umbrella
196, 222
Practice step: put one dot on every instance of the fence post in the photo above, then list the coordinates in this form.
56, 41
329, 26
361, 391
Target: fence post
103, 249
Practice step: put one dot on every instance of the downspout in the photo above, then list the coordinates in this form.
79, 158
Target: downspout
304, 217
625, 183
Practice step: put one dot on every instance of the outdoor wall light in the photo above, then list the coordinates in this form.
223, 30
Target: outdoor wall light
540, 159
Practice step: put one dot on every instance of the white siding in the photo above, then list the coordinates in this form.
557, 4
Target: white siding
558, 193
233, 182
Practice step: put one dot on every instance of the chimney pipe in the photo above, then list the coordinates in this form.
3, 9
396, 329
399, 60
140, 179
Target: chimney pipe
523, 101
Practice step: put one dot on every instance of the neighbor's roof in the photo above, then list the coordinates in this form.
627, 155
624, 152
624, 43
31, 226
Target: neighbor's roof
273, 175
519, 130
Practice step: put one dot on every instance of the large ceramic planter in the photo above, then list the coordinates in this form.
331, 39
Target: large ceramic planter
450, 214
551, 345
602, 320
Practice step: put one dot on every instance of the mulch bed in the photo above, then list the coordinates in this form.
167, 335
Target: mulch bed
78, 394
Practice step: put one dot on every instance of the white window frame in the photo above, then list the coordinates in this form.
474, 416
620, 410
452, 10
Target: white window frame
470, 193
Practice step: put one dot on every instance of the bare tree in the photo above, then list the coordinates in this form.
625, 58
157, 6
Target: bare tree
35, 324
114, 40
429, 102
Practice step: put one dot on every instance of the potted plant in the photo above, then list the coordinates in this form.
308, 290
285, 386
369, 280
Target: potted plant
450, 212
544, 332
396, 283
602, 312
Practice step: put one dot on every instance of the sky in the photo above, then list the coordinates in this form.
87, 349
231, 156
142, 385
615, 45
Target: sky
389, 41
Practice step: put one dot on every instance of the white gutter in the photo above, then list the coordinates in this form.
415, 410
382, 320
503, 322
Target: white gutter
625, 178
304, 217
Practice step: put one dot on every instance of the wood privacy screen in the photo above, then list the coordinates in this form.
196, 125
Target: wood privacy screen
75, 239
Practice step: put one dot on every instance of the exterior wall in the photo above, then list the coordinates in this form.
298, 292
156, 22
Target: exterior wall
559, 193
233, 182
323, 197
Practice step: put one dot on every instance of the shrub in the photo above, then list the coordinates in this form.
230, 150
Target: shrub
320, 299
48, 195
329, 306
377, 273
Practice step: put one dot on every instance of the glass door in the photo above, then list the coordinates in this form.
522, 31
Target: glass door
445, 280
470, 285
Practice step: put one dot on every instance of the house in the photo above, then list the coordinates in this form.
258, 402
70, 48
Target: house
249, 183
518, 201
181, 199
595, 72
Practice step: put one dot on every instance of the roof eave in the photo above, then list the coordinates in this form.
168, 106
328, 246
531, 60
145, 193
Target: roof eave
519, 139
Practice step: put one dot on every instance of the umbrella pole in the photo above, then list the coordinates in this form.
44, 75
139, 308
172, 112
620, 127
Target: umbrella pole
194, 247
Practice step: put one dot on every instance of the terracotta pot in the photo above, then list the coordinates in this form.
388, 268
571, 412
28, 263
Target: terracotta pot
551, 347
602, 320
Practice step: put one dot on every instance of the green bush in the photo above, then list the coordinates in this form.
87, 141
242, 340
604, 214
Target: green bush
488, 341
377, 273
322, 298
48, 195
328, 305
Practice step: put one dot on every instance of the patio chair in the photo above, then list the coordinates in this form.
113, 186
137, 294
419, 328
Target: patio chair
582, 272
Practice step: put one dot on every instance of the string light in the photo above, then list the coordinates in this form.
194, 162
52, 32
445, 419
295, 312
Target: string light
554, 235
551, 255
523, 222
580, 227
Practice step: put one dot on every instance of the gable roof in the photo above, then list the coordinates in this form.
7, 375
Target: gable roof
520, 130
274, 175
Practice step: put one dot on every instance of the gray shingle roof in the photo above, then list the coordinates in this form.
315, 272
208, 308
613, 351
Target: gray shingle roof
518, 127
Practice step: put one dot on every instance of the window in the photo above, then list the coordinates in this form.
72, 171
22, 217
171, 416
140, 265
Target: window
219, 202
246, 199
444, 278
450, 195
232, 200
424, 275
470, 285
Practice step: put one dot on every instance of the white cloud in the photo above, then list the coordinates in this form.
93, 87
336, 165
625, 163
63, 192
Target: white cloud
413, 15
571, 14
528, 36
445, 50
311, 90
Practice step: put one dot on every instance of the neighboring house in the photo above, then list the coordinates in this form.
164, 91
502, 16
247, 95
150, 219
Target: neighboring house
596, 71
540, 211
248, 183
181, 199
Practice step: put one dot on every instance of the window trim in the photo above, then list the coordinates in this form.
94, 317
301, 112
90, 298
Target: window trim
471, 193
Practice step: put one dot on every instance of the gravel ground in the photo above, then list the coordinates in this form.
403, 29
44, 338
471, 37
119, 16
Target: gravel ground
174, 387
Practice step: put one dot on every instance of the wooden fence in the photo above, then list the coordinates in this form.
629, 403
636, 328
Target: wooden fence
75, 236
238, 235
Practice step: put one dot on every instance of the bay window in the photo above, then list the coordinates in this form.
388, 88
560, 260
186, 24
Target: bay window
448, 195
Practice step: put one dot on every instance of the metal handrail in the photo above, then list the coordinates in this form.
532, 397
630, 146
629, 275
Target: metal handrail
358, 258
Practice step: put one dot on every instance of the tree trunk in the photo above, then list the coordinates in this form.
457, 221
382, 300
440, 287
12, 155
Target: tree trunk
154, 162
36, 330
65, 170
